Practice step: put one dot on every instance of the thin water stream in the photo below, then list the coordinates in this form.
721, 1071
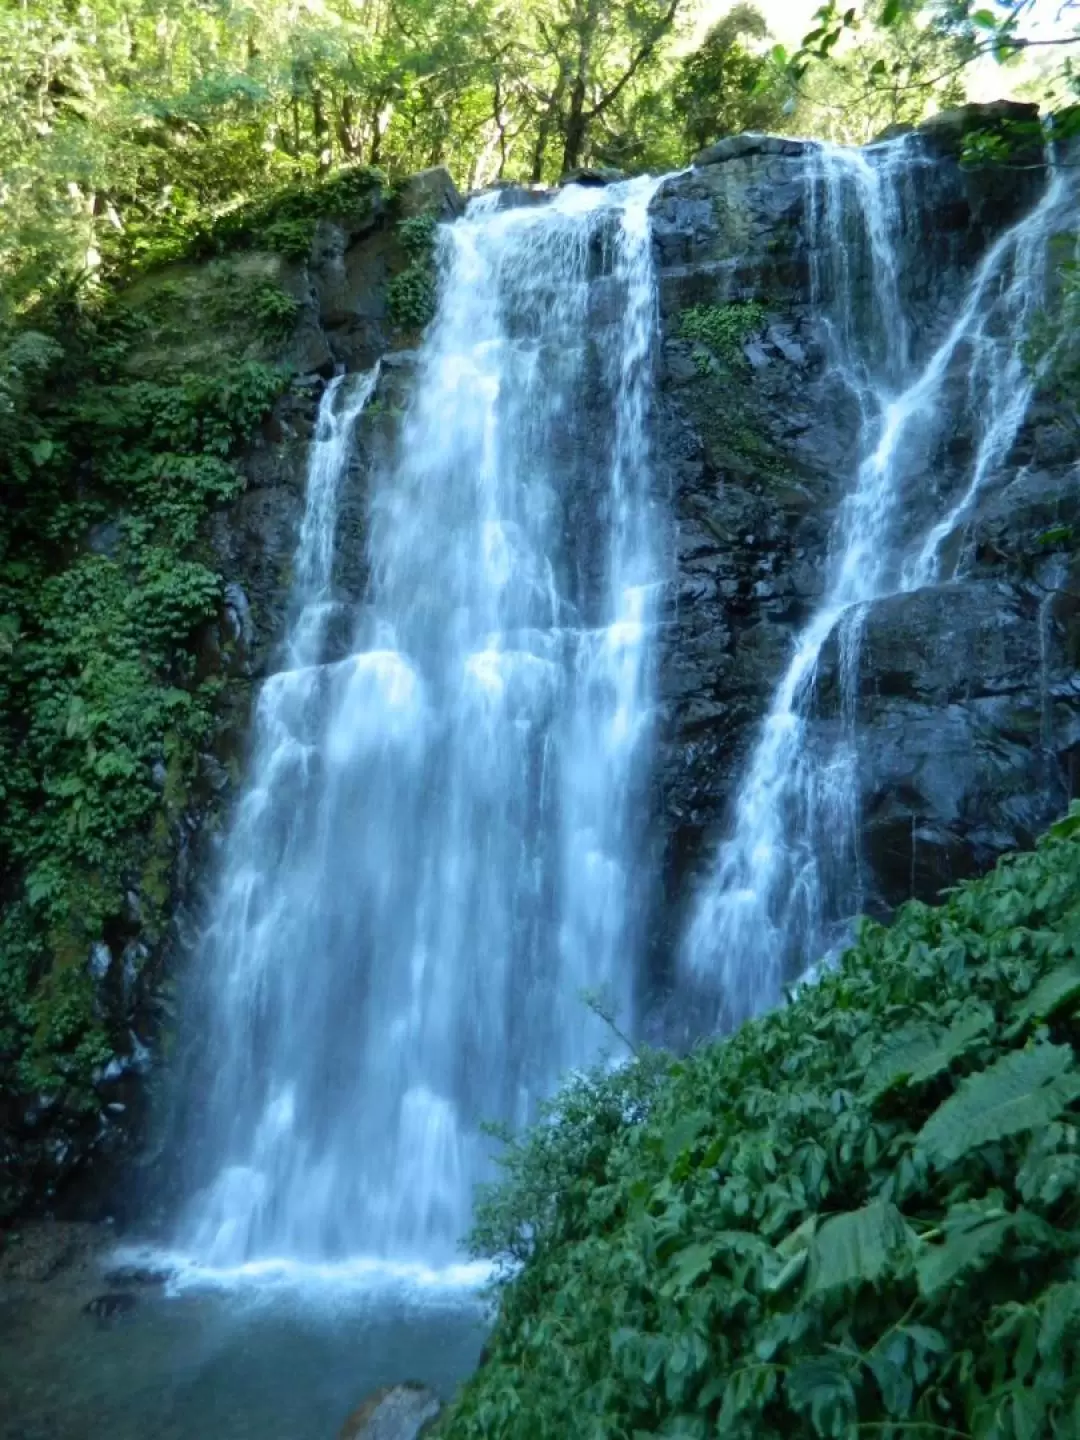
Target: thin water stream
786, 879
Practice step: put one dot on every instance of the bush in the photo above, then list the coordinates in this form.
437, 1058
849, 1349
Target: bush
410, 295
103, 710
858, 1215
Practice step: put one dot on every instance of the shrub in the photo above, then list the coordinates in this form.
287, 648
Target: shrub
102, 710
410, 295
858, 1215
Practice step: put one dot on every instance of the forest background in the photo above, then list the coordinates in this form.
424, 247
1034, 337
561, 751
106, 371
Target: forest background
126, 124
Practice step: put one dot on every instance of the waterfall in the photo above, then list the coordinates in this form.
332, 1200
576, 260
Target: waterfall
439, 847
785, 881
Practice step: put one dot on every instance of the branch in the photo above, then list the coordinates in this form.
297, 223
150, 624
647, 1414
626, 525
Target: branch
646, 50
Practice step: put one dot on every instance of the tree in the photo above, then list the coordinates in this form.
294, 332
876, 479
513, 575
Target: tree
930, 44
897, 73
584, 56
727, 85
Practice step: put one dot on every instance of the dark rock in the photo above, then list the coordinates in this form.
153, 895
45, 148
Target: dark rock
146, 1276
405, 1411
948, 130
968, 721
514, 197
40, 1251
113, 1305
737, 147
431, 192
592, 175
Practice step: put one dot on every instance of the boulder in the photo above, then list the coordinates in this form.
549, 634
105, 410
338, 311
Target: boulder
405, 1411
430, 192
593, 175
735, 147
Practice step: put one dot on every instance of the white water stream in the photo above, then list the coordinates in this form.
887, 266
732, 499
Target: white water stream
786, 877
439, 847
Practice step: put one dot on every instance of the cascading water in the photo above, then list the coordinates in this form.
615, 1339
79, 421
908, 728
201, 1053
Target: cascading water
439, 847
786, 877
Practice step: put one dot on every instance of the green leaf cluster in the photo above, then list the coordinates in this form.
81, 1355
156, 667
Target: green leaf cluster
107, 589
720, 331
411, 294
858, 1215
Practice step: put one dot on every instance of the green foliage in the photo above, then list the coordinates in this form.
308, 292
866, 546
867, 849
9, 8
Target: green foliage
417, 236
273, 309
130, 138
862, 68
858, 1215
106, 479
410, 295
285, 221
720, 331
727, 85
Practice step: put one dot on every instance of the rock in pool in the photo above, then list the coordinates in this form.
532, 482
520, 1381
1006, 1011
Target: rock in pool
111, 1306
394, 1412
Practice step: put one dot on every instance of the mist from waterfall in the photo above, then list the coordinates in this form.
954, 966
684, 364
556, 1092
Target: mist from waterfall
440, 845
785, 883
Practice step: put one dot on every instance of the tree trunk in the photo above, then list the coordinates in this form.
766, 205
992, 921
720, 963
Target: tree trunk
348, 138
543, 135
576, 125
375, 150
322, 137
577, 120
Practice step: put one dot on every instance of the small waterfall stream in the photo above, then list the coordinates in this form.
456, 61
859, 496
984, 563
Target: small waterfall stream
439, 847
785, 881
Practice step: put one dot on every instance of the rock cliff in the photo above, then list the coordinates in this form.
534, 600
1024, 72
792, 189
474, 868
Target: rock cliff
968, 714
968, 717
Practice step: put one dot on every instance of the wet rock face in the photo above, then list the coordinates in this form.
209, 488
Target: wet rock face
968, 716
969, 693
969, 704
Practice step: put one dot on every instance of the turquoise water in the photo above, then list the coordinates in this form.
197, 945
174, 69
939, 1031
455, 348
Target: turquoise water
272, 1360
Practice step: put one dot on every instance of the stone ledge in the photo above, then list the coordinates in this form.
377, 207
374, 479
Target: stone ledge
735, 147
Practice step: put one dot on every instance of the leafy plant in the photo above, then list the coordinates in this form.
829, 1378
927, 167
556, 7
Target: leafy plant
720, 331
858, 1215
106, 480
410, 295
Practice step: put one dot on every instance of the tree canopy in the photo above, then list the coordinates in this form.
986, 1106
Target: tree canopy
121, 121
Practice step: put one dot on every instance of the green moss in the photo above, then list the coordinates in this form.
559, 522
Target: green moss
727, 411
720, 331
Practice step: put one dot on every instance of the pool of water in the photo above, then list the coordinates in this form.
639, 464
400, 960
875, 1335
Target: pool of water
278, 1356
